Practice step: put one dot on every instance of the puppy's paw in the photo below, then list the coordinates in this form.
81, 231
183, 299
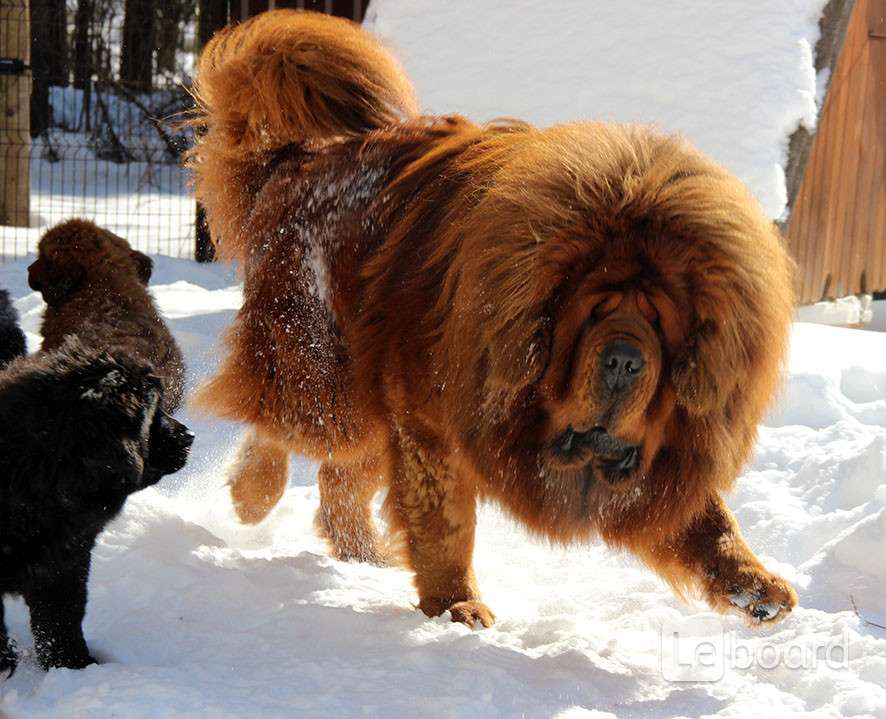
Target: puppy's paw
472, 612
760, 597
66, 660
8, 659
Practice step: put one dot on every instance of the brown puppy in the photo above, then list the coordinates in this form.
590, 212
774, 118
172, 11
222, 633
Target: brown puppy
95, 287
584, 323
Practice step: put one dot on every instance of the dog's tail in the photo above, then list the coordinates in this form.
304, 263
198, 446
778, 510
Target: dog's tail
285, 76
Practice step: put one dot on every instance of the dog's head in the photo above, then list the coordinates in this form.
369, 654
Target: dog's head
89, 427
75, 251
630, 298
137, 443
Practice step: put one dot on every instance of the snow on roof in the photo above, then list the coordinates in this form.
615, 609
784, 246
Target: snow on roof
736, 77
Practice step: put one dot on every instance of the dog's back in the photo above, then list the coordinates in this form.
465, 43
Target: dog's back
95, 287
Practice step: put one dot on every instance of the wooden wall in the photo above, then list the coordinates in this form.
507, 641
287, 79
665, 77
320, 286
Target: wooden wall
837, 228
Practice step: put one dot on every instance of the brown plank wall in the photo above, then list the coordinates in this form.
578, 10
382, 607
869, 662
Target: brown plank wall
837, 228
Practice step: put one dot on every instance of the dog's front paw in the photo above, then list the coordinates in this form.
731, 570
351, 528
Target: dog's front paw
469, 611
8, 658
759, 596
472, 612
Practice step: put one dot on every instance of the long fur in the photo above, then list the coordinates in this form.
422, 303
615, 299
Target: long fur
279, 78
12, 339
96, 418
427, 300
95, 288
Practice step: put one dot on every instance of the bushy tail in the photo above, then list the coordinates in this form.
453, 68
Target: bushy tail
285, 76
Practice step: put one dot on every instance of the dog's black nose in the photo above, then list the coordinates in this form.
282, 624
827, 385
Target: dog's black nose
622, 362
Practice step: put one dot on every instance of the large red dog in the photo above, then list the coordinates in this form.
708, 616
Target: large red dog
583, 323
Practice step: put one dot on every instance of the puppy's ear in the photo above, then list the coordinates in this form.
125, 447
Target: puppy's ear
103, 388
54, 280
144, 265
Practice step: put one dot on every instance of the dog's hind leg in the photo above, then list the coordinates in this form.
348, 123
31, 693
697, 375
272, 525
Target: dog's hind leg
345, 514
259, 477
8, 659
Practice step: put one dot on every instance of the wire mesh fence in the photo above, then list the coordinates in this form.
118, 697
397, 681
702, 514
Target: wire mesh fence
93, 91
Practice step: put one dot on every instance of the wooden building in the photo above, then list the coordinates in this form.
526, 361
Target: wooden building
837, 226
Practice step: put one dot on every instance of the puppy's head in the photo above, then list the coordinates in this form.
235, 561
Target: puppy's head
97, 417
141, 442
72, 253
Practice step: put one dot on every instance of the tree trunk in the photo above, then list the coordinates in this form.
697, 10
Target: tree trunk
83, 44
170, 16
212, 15
136, 61
58, 63
49, 58
15, 138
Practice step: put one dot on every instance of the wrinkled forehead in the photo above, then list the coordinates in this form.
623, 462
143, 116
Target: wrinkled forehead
623, 287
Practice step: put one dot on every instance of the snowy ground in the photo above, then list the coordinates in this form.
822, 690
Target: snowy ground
196, 616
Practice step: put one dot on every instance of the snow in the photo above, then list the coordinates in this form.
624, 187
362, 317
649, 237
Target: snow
195, 615
736, 78
146, 200
854, 310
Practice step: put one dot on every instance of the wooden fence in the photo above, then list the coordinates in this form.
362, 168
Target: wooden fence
837, 229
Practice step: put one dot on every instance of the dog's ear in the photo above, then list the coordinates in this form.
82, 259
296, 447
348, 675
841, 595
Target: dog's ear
144, 265
55, 280
104, 387
700, 387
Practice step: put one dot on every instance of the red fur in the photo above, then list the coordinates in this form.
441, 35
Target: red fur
429, 298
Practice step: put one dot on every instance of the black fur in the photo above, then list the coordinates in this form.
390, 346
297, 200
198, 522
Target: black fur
81, 431
12, 339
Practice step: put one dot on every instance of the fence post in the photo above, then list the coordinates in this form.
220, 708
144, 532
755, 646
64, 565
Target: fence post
15, 118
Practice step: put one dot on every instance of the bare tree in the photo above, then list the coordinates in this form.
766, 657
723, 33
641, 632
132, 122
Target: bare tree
49, 57
171, 18
82, 44
211, 16
136, 58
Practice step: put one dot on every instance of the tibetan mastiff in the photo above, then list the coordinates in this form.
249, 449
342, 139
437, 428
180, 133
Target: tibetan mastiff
582, 323
82, 430
95, 288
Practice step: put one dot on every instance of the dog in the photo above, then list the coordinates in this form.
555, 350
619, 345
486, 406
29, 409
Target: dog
95, 288
12, 339
582, 323
82, 430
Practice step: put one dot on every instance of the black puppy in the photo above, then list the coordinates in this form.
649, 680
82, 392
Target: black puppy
12, 339
81, 431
